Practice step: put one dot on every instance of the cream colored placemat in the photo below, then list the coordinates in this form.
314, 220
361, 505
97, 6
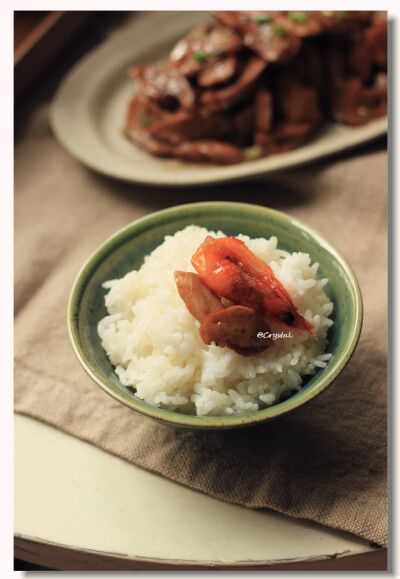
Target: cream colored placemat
325, 462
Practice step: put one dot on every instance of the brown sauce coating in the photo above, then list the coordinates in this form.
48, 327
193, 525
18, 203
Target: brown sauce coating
238, 328
220, 72
199, 300
228, 325
264, 33
262, 81
226, 98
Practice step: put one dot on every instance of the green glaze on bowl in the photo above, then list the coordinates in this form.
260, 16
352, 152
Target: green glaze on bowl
126, 250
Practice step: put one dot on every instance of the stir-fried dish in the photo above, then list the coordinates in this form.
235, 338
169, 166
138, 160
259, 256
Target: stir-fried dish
258, 83
236, 297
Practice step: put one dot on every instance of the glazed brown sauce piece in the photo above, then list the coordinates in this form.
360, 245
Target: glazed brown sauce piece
227, 325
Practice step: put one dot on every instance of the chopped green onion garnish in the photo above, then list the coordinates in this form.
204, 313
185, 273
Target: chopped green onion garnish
145, 121
298, 16
202, 35
200, 57
253, 153
279, 30
264, 19
328, 13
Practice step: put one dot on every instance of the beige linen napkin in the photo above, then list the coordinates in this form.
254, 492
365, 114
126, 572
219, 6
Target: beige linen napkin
325, 462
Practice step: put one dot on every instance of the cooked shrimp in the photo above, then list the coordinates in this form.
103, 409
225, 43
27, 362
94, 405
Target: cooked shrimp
235, 273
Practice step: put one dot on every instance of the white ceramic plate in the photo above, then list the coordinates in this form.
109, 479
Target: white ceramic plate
89, 109
77, 507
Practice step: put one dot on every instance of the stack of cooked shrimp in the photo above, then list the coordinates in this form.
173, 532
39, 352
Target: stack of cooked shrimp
259, 83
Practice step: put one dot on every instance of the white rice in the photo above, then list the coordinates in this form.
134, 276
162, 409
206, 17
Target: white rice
154, 342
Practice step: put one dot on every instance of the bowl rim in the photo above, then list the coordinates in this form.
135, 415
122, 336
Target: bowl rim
211, 422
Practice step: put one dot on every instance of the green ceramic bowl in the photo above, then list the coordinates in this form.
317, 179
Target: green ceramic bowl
126, 250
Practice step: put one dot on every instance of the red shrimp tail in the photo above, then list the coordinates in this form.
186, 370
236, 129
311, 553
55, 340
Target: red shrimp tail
299, 328
301, 325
